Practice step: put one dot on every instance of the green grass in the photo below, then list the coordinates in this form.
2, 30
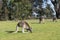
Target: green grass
48, 31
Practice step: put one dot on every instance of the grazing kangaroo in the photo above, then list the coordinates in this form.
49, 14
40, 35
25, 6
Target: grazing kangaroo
24, 26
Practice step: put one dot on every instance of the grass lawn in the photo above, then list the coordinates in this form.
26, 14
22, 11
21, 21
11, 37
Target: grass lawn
48, 31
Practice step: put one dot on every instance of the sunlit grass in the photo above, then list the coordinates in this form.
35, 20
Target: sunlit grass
48, 31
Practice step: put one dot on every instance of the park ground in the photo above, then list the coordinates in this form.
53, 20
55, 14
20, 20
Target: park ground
47, 31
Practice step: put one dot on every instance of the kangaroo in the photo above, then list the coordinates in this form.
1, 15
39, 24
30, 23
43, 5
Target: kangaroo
24, 25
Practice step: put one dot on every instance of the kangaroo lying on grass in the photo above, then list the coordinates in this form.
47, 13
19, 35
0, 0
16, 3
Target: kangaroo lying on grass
24, 25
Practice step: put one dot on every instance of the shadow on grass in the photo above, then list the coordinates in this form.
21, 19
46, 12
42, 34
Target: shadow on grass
13, 31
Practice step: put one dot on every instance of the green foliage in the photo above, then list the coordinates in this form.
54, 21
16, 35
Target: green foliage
23, 7
16, 8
